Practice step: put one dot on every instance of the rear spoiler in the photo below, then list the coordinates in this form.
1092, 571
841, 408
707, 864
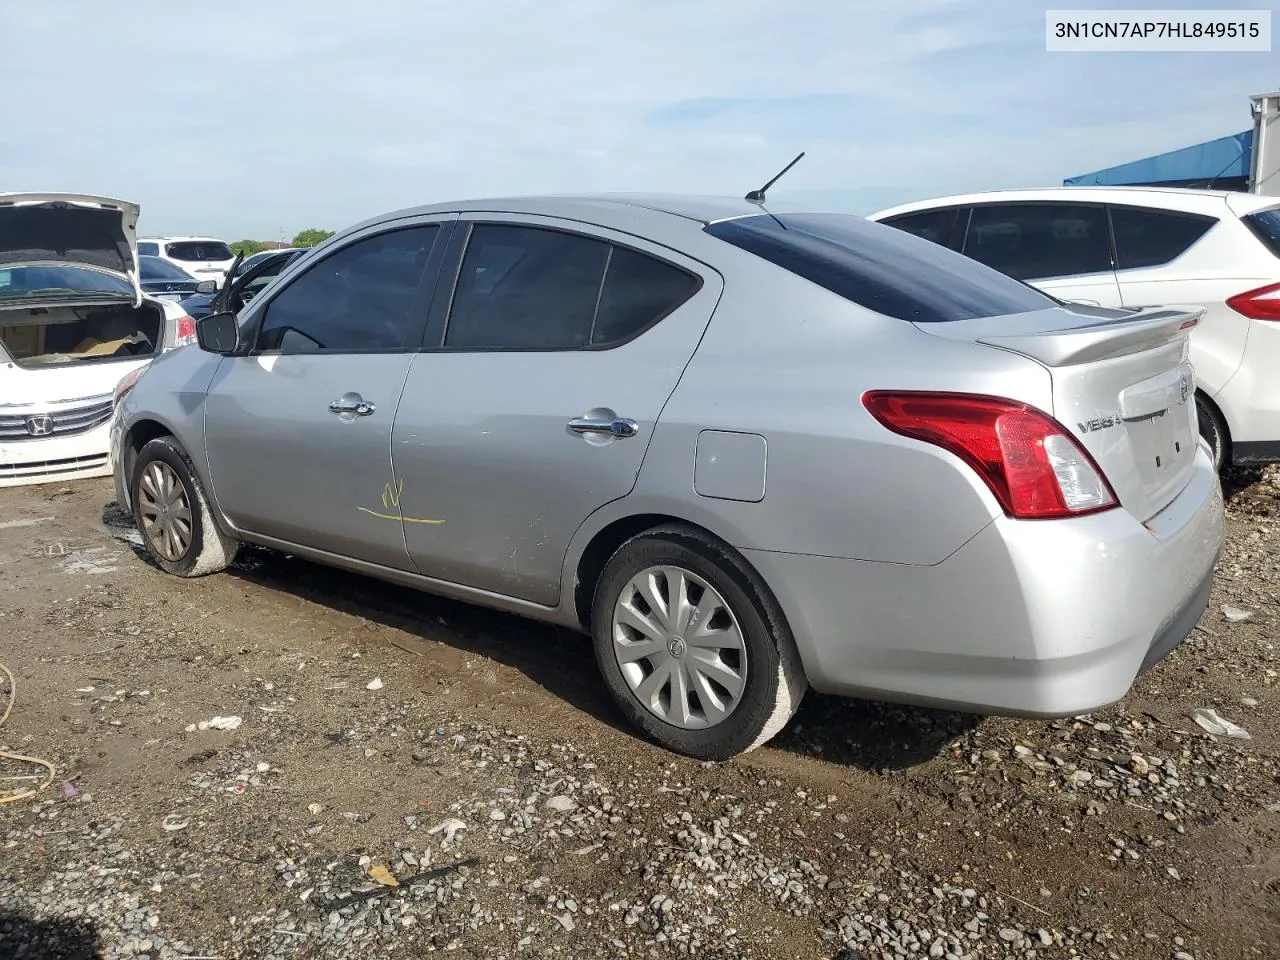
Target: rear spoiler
1145, 330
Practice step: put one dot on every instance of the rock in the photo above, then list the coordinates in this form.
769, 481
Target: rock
374, 684
566, 921
496, 814
561, 803
1010, 935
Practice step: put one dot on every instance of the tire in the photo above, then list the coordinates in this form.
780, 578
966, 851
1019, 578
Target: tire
745, 674
162, 465
1213, 429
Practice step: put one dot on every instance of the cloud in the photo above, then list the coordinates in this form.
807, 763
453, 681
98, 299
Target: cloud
249, 118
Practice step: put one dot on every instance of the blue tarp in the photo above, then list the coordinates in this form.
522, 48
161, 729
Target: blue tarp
1224, 158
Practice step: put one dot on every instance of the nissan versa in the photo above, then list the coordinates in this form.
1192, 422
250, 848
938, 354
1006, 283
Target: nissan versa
748, 450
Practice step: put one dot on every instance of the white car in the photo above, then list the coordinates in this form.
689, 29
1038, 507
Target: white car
1139, 247
205, 258
74, 324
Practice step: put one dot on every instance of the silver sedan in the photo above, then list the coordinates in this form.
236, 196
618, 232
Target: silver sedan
748, 450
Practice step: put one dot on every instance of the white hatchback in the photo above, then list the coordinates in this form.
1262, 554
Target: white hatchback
74, 325
203, 257
1140, 247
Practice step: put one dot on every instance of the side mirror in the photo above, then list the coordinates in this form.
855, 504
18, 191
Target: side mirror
207, 286
218, 333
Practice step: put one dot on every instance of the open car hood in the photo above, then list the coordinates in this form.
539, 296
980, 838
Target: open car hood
71, 228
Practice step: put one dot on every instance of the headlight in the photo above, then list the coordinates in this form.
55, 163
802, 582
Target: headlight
127, 383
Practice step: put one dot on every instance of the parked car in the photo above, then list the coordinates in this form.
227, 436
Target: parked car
246, 283
73, 321
250, 262
747, 451
203, 257
162, 280
1139, 246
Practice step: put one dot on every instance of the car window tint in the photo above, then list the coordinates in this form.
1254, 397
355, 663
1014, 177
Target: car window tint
1265, 225
638, 290
153, 268
1037, 241
880, 268
1148, 238
526, 288
148, 249
193, 251
932, 225
361, 297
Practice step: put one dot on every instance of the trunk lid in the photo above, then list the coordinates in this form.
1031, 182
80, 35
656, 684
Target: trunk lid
1121, 385
72, 229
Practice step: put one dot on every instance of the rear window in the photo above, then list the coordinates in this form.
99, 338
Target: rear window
153, 268
194, 251
881, 268
1266, 226
148, 249
1149, 238
935, 225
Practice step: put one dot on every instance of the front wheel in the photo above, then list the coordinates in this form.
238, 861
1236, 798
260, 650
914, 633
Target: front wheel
692, 645
172, 513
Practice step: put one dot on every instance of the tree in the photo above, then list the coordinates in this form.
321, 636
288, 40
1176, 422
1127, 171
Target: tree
311, 236
248, 247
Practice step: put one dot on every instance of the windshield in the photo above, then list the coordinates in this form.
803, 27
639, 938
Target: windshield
20, 283
193, 251
1266, 226
881, 268
153, 268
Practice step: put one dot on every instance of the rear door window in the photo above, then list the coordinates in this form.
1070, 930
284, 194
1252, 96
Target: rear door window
1039, 241
533, 288
1265, 225
881, 268
935, 225
192, 251
1150, 238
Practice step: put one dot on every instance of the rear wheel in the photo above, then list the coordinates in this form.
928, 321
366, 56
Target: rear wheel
692, 645
1213, 429
172, 513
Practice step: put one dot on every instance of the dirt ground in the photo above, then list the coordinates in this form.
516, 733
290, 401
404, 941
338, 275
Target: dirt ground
327, 823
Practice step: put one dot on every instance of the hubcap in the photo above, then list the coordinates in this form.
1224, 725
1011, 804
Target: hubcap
679, 647
166, 512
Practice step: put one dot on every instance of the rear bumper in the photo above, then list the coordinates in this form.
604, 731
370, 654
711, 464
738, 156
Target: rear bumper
55, 459
1046, 619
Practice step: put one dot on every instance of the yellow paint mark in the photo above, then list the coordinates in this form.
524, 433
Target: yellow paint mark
391, 501
393, 516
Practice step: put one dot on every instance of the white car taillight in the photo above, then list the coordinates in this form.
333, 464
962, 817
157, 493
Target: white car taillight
1034, 468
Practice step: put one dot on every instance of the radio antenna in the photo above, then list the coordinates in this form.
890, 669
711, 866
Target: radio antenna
757, 196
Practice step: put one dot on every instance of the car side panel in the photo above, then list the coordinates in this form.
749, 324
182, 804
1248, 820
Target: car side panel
787, 360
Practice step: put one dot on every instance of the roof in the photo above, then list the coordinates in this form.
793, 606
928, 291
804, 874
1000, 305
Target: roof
1171, 198
1224, 158
603, 209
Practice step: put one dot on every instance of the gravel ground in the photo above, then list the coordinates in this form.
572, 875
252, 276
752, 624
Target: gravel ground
411, 775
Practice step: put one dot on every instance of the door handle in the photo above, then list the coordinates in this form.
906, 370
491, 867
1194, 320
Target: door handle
613, 426
361, 408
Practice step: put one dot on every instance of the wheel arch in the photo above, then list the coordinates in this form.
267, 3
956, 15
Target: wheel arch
1219, 415
601, 536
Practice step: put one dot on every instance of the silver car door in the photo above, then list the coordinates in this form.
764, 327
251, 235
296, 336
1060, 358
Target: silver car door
559, 350
298, 431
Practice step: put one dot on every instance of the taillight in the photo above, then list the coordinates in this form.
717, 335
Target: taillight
1032, 464
1260, 304
186, 331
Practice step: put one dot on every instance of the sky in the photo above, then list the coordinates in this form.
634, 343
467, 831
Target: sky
257, 119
